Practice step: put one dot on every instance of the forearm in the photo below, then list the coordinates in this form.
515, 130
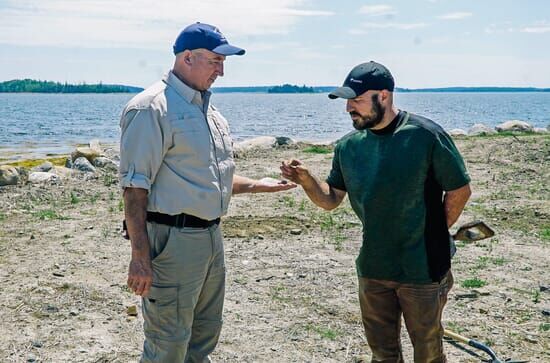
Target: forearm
454, 202
321, 193
135, 212
243, 184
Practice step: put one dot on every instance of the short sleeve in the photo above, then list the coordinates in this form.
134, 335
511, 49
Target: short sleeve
141, 148
335, 178
449, 168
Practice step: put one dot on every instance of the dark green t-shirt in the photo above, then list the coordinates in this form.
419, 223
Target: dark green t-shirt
395, 180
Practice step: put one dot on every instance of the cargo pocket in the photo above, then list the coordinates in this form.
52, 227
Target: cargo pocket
160, 312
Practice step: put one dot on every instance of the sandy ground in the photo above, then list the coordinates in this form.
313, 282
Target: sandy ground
291, 284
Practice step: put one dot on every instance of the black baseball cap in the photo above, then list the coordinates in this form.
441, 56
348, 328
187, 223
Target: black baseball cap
201, 35
362, 78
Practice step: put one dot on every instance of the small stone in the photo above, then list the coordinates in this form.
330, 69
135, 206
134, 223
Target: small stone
37, 344
260, 237
543, 288
132, 310
295, 231
57, 274
545, 312
73, 313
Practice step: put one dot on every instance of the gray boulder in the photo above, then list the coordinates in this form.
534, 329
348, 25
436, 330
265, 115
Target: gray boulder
84, 165
8, 175
47, 166
283, 140
103, 162
540, 130
480, 129
42, 177
514, 125
458, 132
85, 152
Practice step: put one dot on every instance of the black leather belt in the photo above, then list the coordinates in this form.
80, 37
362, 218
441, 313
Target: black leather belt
181, 220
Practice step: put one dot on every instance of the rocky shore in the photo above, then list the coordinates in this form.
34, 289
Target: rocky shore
291, 285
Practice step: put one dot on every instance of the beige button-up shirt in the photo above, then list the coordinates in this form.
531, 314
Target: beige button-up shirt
177, 146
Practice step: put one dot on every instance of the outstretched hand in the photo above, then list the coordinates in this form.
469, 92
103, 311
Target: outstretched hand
295, 171
270, 185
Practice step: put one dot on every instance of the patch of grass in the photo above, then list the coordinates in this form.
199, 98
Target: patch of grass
473, 283
288, 201
277, 293
338, 241
318, 149
74, 198
484, 261
536, 296
120, 205
324, 332
545, 234
454, 327
544, 326
94, 198
27, 164
48, 214
109, 179
2, 216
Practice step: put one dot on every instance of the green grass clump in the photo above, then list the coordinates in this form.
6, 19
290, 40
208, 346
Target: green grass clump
473, 283
27, 164
318, 149
48, 214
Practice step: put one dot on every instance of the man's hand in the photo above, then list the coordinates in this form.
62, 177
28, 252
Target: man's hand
243, 184
270, 185
140, 275
295, 171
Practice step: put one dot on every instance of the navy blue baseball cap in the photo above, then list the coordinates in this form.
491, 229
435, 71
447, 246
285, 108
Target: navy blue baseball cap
362, 78
200, 35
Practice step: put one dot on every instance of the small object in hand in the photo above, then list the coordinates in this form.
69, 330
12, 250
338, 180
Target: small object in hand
272, 181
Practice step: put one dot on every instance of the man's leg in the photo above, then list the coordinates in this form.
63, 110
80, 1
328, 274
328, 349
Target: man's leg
381, 315
422, 308
180, 259
207, 323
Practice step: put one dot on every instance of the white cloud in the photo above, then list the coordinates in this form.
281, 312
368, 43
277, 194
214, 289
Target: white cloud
455, 16
377, 10
368, 27
539, 29
141, 23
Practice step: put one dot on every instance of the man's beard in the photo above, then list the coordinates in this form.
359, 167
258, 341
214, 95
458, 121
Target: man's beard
370, 121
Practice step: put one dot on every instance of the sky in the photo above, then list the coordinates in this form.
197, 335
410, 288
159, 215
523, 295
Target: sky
425, 43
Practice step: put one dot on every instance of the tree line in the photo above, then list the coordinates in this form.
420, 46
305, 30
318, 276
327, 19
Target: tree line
31, 85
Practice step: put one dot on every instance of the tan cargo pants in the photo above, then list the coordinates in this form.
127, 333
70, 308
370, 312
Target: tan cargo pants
383, 303
183, 311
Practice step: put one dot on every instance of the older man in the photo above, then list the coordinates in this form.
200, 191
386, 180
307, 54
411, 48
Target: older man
407, 183
177, 172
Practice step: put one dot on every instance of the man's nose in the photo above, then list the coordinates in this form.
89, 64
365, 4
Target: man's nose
220, 69
349, 108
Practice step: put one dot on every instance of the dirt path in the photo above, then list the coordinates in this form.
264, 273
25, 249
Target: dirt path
291, 283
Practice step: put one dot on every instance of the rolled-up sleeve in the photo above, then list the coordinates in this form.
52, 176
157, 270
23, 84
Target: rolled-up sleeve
142, 148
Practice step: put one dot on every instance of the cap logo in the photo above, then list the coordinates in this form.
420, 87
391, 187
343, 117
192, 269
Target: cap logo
355, 80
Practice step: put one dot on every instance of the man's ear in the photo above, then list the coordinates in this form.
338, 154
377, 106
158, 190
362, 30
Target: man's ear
187, 57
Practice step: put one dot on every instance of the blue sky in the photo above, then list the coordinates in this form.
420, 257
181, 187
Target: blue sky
425, 43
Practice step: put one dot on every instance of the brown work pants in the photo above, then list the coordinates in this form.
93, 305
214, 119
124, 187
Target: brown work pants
383, 303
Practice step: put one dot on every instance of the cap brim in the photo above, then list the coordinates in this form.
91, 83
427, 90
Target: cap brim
228, 49
342, 92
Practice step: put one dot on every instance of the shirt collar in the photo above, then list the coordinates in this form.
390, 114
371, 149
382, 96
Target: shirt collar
189, 94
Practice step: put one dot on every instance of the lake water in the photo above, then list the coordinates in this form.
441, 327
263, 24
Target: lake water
54, 123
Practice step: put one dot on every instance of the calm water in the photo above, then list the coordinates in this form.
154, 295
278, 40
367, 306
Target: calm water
43, 123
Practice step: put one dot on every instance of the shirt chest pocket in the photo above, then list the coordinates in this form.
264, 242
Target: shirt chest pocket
190, 141
221, 135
